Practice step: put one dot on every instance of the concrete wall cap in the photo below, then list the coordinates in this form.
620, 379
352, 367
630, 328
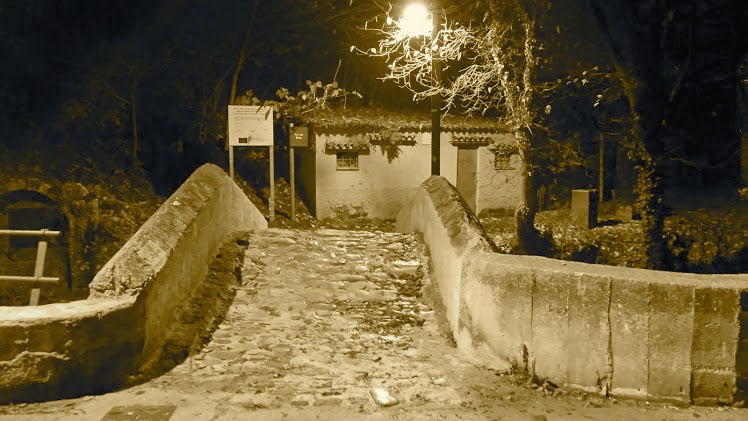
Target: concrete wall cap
617, 272
13, 316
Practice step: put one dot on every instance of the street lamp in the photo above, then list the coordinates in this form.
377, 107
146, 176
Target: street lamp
417, 21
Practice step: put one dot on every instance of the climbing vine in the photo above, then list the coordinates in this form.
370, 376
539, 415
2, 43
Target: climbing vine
292, 107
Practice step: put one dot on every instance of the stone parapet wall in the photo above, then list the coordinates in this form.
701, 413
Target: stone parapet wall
659, 336
627, 332
64, 350
451, 232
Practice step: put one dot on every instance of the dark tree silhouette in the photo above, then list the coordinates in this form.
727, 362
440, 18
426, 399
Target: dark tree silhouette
658, 77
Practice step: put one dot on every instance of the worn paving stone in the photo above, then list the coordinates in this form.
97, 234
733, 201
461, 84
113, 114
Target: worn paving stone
139, 412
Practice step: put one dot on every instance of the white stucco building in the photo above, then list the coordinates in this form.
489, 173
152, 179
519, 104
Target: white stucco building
369, 162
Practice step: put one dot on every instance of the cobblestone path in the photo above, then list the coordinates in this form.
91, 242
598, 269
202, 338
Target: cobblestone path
322, 317
325, 323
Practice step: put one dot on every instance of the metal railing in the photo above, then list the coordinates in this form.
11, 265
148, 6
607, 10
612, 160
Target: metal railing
41, 253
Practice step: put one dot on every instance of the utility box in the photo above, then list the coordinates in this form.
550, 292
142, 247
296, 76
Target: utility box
584, 208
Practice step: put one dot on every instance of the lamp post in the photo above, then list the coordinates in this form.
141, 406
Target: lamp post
416, 22
436, 103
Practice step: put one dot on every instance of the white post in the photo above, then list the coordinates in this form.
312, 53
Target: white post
271, 205
231, 161
41, 254
601, 174
291, 175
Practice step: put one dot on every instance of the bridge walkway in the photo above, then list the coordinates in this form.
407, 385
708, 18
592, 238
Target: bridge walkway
331, 325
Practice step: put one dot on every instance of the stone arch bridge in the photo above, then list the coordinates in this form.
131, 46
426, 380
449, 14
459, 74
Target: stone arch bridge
333, 323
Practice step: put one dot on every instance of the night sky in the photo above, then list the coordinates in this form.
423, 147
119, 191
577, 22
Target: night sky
69, 63
52, 47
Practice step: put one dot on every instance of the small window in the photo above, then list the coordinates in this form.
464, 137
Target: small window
347, 161
502, 161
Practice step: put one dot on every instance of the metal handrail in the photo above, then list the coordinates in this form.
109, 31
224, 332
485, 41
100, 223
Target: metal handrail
31, 233
29, 278
40, 257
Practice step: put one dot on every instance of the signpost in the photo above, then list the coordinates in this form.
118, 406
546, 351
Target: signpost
297, 137
251, 125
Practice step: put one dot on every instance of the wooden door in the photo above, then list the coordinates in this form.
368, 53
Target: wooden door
467, 171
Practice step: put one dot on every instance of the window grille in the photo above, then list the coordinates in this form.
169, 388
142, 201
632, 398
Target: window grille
347, 160
502, 162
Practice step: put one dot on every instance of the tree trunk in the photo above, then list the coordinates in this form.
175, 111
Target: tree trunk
240, 63
653, 217
527, 236
648, 113
636, 47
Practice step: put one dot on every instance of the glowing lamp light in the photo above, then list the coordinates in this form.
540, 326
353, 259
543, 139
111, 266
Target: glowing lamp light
416, 21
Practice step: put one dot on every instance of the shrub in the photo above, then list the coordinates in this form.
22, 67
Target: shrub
699, 241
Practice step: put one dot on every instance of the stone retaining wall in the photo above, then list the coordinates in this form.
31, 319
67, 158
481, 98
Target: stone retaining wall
90, 346
75, 201
625, 332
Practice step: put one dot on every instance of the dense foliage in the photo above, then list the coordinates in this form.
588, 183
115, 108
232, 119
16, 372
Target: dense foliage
100, 92
704, 240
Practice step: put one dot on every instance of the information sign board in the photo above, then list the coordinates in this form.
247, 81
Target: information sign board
299, 137
250, 125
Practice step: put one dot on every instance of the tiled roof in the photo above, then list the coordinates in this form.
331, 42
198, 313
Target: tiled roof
346, 146
406, 137
372, 120
462, 138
